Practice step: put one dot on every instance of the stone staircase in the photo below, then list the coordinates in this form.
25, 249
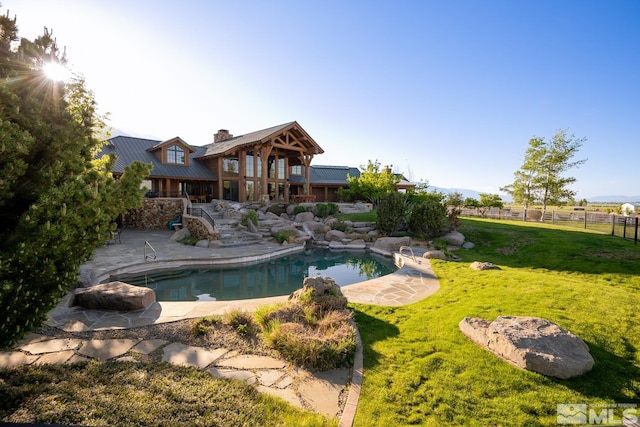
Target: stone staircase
228, 228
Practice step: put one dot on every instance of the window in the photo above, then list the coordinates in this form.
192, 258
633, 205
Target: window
296, 170
271, 166
250, 163
281, 168
175, 155
250, 185
230, 166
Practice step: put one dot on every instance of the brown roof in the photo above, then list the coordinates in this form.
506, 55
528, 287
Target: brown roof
230, 145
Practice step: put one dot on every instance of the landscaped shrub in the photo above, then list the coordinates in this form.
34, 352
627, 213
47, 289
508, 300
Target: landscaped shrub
324, 210
284, 236
277, 209
344, 194
313, 329
427, 218
250, 214
299, 209
306, 335
340, 226
391, 213
241, 321
203, 325
190, 240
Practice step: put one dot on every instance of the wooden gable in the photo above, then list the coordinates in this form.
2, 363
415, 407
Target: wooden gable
160, 150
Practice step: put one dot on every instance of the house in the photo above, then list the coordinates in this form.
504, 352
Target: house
270, 164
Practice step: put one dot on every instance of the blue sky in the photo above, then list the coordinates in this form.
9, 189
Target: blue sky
448, 92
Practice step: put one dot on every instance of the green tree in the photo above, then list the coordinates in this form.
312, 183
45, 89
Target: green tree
373, 183
58, 199
471, 202
558, 159
526, 183
541, 178
454, 199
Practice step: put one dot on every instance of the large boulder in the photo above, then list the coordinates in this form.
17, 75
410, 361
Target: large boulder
481, 266
531, 343
454, 238
253, 228
334, 236
118, 296
86, 276
434, 254
322, 291
304, 217
388, 245
180, 234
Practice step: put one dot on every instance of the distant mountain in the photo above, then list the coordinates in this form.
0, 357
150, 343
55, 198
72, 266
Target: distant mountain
614, 199
467, 193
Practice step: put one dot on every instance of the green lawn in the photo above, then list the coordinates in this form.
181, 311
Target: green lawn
420, 369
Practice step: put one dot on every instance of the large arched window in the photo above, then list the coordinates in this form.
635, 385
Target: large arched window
175, 154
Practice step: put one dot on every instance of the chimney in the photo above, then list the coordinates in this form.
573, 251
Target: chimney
222, 135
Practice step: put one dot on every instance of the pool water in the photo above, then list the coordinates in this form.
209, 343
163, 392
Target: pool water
280, 276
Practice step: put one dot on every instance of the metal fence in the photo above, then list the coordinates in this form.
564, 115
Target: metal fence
616, 225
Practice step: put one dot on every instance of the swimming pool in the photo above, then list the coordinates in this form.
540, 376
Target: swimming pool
280, 276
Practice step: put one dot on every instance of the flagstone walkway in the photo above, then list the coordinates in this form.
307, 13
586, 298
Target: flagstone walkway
323, 392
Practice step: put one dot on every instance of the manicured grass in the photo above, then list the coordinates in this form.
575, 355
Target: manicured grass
370, 216
420, 369
139, 394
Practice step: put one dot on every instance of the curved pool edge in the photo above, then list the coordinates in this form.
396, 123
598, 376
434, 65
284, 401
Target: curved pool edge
142, 267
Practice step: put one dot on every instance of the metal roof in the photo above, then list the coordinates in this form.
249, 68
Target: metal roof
328, 175
129, 149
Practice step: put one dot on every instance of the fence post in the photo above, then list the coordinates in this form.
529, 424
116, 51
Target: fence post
553, 217
624, 228
585, 219
613, 224
635, 238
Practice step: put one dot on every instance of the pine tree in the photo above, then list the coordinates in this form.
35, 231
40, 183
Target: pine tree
58, 202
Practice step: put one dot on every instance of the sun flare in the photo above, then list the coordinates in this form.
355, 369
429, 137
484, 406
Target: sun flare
56, 71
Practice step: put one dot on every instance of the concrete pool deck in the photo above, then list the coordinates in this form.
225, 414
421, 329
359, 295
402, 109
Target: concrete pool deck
320, 391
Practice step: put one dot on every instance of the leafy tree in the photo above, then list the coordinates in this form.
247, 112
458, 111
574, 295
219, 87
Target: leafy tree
470, 202
373, 183
488, 201
491, 200
559, 152
541, 179
58, 201
454, 199
526, 183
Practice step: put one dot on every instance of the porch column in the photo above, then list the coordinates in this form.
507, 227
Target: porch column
265, 151
306, 161
220, 189
242, 176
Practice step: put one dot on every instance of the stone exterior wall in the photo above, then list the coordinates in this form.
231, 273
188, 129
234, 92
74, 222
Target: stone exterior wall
155, 213
199, 227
